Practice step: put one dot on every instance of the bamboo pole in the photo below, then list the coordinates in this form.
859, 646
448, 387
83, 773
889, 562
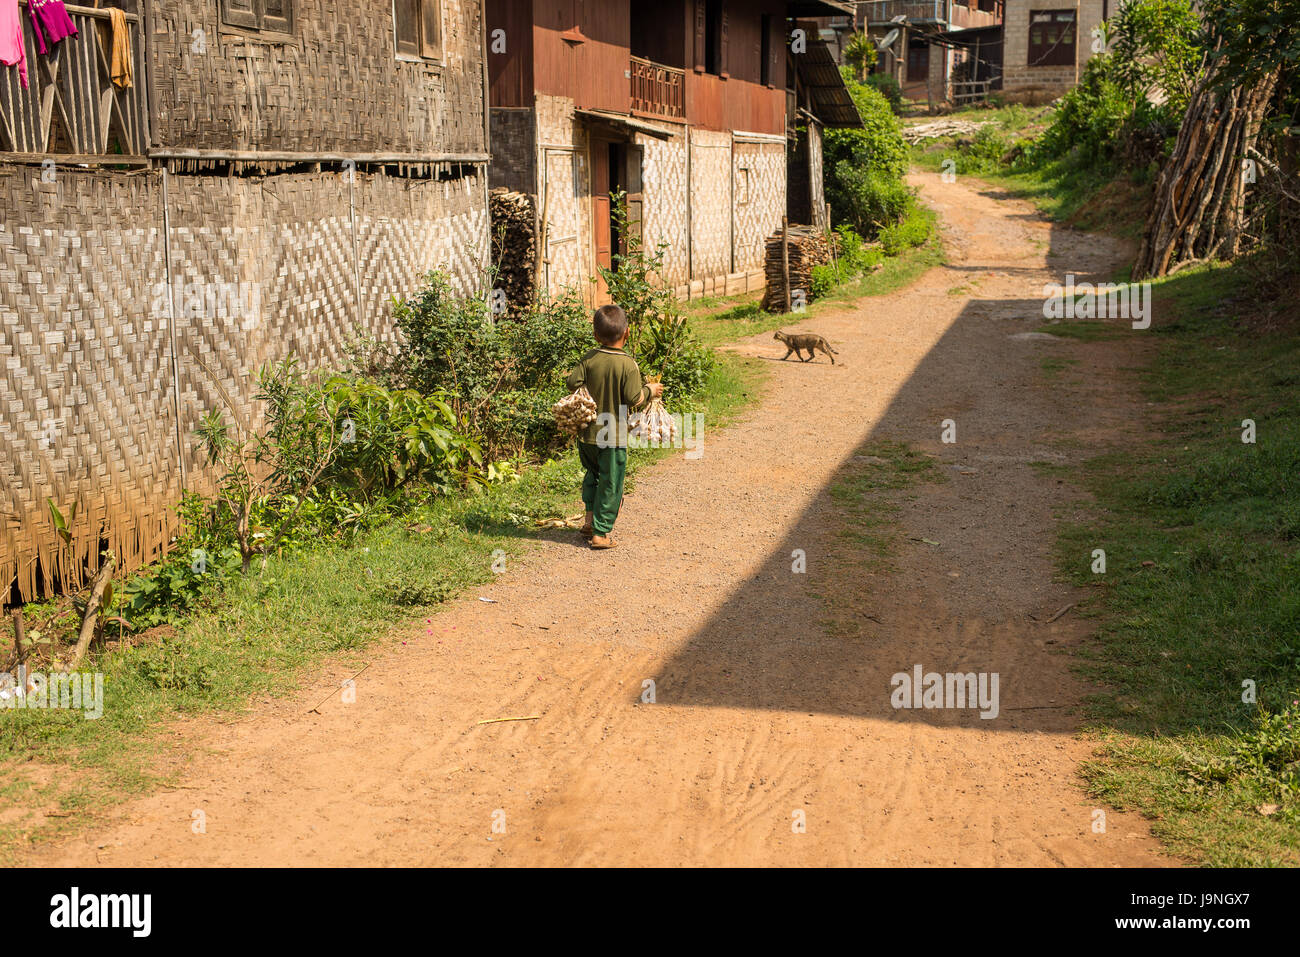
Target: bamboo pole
785, 258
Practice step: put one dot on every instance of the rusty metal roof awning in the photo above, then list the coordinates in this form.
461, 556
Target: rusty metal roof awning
818, 8
820, 76
623, 123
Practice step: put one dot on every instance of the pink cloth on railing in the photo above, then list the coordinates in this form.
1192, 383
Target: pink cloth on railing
12, 50
52, 17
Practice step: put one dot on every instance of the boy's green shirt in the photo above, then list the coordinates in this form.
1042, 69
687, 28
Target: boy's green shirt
613, 379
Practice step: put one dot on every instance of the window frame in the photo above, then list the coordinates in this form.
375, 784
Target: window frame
424, 52
1050, 54
257, 20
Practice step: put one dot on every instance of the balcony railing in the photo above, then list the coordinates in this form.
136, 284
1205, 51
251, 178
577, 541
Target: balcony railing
71, 105
951, 12
658, 90
918, 11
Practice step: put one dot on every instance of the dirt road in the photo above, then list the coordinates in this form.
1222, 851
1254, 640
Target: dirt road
772, 688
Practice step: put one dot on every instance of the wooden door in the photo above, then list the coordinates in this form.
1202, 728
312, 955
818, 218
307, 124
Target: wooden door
601, 220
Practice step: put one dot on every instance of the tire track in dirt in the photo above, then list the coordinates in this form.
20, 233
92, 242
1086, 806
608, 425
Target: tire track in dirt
772, 689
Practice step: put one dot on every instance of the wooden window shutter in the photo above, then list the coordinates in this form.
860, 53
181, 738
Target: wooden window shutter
406, 26
239, 13
722, 40
277, 15
431, 28
701, 30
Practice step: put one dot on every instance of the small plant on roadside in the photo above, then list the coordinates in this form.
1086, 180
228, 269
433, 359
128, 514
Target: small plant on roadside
659, 336
265, 476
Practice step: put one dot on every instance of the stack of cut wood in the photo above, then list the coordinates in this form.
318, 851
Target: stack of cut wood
937, 128
808, 248
514, 229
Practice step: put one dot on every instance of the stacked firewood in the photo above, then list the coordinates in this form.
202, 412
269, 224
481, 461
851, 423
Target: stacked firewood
938, 128
514, 231
808, 247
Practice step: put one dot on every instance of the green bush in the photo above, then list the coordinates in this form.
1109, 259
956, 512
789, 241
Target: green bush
1088, 119
914, 229
853, 259
889, 88
393, 437
864, 181
500, 378
659, 336
985, 152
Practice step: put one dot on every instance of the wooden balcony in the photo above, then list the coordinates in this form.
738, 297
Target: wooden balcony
658, 90
950, 13
71, 108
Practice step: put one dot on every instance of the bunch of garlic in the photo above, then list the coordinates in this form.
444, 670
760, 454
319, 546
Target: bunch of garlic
575, 412
653, 427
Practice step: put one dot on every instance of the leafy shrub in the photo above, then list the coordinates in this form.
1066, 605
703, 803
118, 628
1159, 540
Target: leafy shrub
864, 182
1088, 118
853, 258
914, 229
499, 378
659, 336
323, 432
1157, 46
392, 437
169, 591
984, 153
889, 88
869, 199
413, 591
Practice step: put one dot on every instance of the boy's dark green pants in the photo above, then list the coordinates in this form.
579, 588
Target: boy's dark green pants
602, 486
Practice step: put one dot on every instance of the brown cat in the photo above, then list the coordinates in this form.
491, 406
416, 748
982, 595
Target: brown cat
809, 341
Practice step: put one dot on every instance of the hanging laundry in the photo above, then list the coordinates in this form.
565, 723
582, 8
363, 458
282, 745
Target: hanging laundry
50, 17
12, 51
119, 58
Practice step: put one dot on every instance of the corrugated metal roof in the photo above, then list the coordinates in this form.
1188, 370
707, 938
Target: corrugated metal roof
817, 8
821, 76
621, 120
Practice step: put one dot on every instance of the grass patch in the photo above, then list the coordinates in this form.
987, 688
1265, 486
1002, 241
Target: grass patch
864, 494
1086, 330
1201, 593
1054, 366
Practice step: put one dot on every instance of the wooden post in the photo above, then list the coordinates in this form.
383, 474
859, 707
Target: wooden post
20, 635
830, 239
785, 258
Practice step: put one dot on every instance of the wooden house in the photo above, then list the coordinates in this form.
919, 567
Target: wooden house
691, 108
268, 176
940, 51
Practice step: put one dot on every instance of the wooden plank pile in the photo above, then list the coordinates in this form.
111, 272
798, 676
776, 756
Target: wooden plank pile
514, 249
937, 128
808, 247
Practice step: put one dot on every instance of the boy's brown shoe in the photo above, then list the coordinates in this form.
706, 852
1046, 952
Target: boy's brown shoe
587, 532
603, 541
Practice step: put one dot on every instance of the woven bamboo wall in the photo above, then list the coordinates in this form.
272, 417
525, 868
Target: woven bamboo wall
663, 184
337, 85
710, 203
87, 405
759, 201
564, 196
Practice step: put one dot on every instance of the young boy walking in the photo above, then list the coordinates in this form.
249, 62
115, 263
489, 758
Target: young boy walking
613, 380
